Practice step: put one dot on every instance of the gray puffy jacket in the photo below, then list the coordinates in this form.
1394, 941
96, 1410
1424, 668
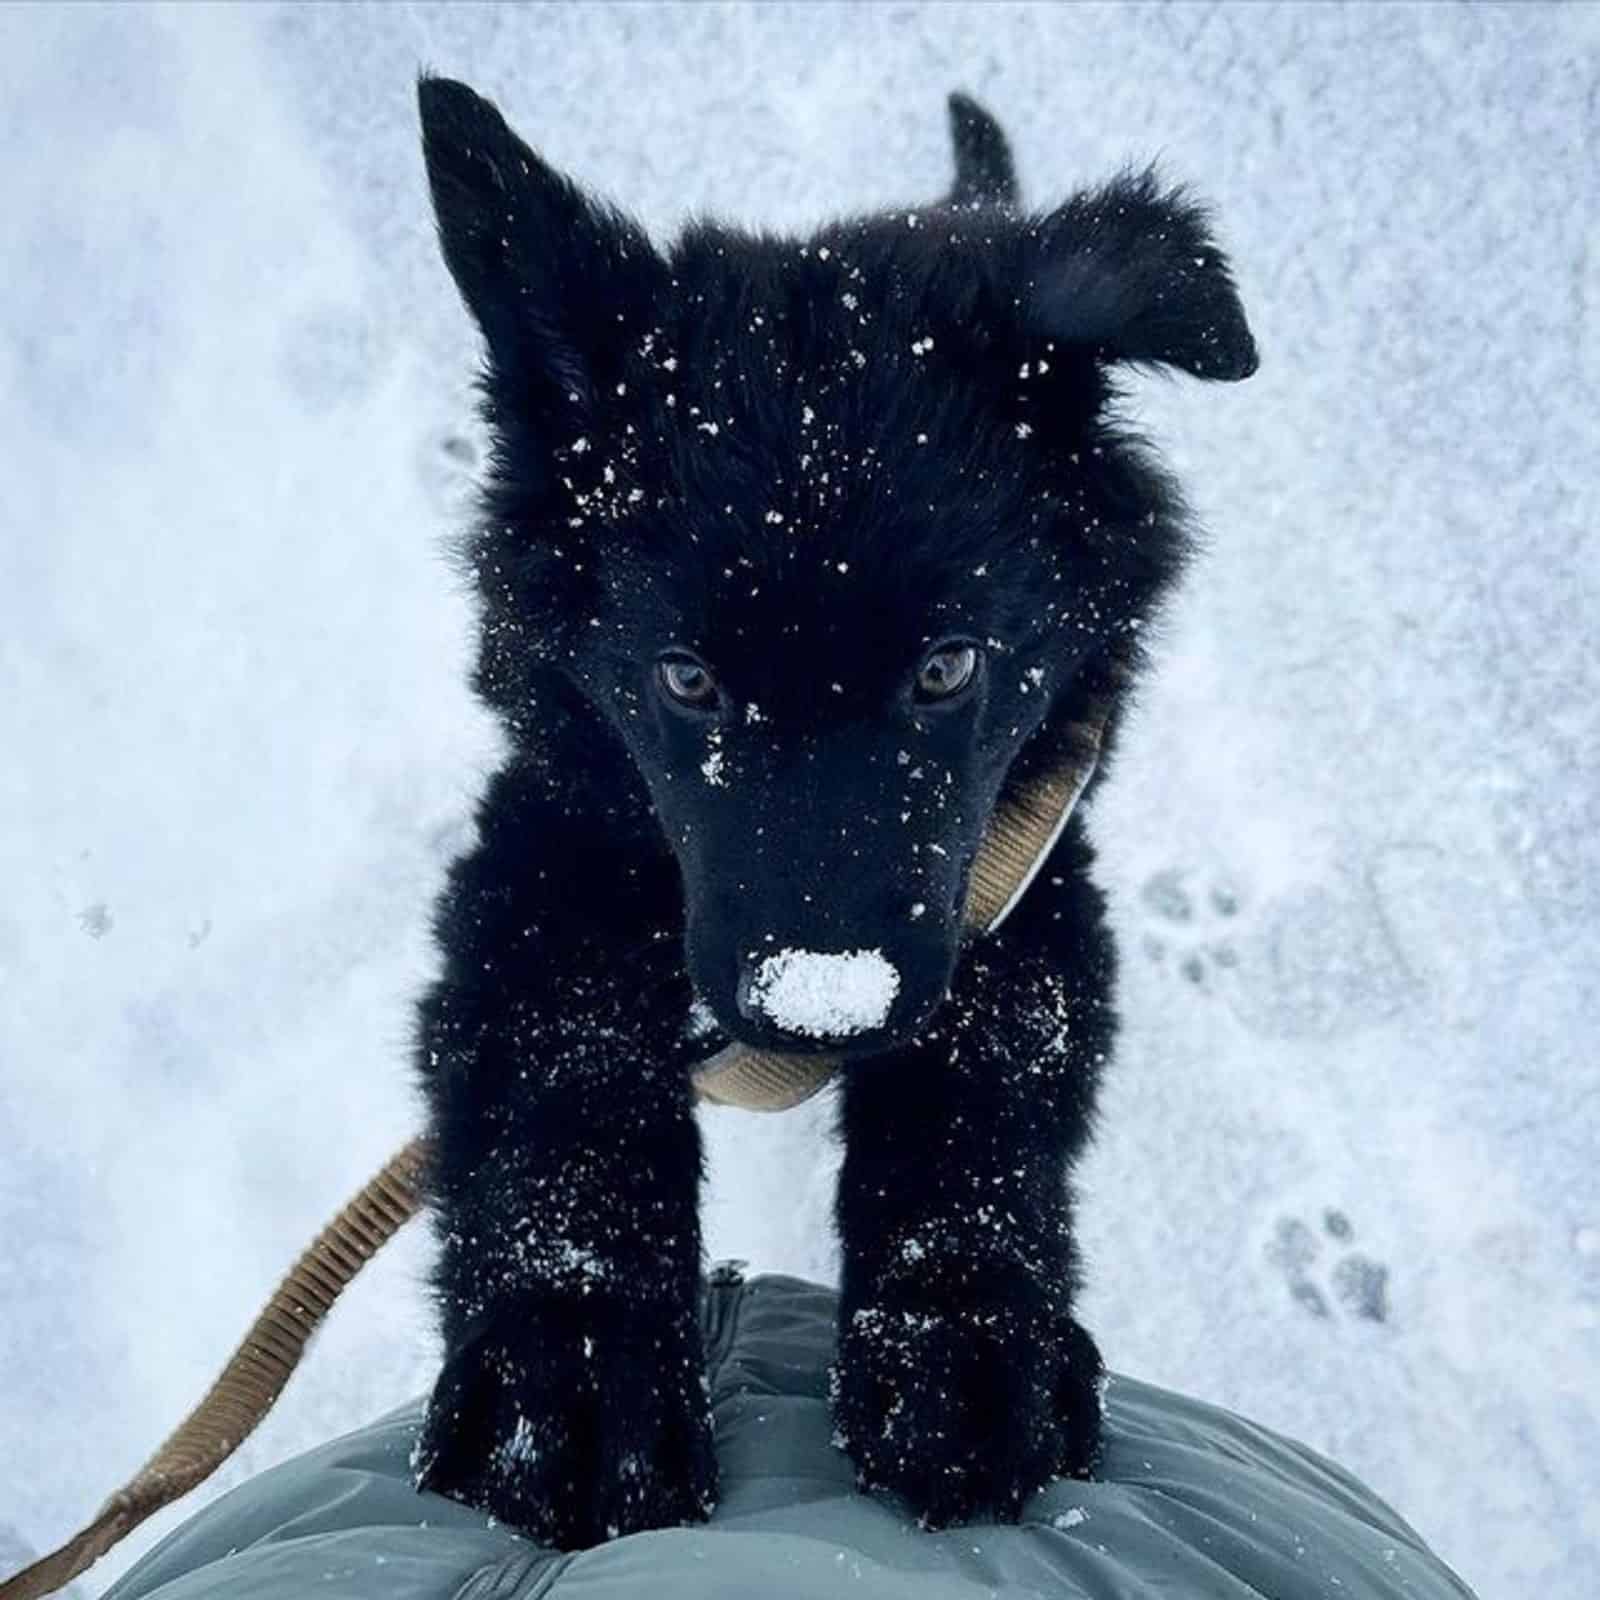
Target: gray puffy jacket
1192, 1503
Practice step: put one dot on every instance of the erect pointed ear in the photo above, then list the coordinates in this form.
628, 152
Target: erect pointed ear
552, 278
1131, 272
985, 172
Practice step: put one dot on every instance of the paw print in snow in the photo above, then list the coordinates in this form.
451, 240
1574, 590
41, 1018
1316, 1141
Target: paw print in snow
331, 356
1314, 960
1356, 1284
447, 465
1187, 925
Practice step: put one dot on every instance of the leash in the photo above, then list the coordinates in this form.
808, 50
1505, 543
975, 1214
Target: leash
1022, 832
253, 1378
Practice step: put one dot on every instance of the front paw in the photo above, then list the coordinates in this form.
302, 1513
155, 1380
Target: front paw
578, 1423
966, 1409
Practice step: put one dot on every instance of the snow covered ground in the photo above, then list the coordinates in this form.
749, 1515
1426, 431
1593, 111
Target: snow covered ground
1347, 1180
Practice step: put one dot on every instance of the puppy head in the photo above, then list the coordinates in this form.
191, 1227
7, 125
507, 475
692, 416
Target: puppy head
836, 534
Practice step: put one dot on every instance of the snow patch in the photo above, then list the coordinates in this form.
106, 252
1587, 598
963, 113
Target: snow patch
826, 995
702, 1022
713, 767
521, 1448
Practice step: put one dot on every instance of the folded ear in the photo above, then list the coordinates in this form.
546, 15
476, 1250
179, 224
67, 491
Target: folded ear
1132, 272
550, 276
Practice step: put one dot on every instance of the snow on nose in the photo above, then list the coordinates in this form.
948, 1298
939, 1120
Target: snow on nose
826, 996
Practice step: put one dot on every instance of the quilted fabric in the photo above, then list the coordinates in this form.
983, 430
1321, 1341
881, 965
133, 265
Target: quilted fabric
1191, 1502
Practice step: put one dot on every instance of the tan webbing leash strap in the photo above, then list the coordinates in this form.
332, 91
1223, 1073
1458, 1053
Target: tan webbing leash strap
253, 1378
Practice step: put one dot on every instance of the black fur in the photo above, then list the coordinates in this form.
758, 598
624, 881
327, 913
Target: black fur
984, 171
804, 465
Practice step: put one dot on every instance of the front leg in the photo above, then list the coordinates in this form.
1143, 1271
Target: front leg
963, 1381
572, 1403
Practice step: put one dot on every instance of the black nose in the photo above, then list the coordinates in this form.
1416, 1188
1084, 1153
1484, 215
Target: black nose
823, 996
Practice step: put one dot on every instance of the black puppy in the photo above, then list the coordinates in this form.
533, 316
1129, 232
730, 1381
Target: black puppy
793, 556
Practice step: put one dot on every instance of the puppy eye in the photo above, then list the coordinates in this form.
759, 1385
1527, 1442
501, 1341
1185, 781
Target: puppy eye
949, 670
687, 681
